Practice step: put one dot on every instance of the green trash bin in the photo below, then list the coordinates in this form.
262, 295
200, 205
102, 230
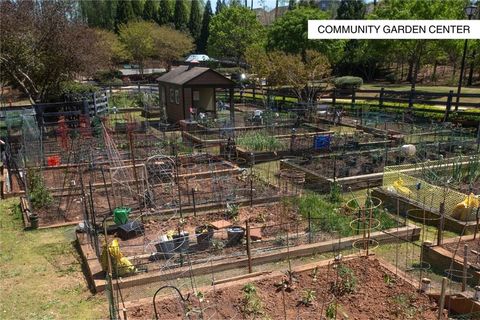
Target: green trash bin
120, 215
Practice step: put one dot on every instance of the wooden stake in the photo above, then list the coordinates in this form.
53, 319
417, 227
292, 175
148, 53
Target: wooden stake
442, 298
249, 255
465, 267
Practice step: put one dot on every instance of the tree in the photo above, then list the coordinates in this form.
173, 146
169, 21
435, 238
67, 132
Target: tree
292, 4
351, 10
195, 21
204, 32
144, 40
232, 31
416, 50
124, 13
150, 11
43, 48
180, 17
289, 34
220, 5
165, 12
298, 73
114, 50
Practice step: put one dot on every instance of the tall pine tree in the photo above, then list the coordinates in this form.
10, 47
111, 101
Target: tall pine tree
180, 15
150, 11
351, 10
195, 21
204, 33
124, 13
219, 6
165, 12
292, 4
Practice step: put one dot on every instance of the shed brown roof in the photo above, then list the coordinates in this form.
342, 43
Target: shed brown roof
184, 74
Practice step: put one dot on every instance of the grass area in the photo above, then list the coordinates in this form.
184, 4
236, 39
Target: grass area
407, 87
41, 276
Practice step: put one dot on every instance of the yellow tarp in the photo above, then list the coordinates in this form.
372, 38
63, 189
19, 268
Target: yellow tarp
399, 186
462, 210
120, 265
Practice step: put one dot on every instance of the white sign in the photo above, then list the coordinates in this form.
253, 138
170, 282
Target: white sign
393, 29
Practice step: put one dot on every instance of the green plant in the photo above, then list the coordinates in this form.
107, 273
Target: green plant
335, 195
252, 304
314, 274
348, 82
347, 281
403, 306
217, 245
200, 296
38, 194
389, 280
260, 141
331, 311
308, 297
232, 211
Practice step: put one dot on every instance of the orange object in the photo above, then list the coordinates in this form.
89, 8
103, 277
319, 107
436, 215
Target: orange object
53, 161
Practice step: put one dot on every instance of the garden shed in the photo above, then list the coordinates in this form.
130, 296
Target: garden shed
187, 91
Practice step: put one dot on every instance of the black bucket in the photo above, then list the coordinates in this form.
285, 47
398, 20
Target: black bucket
166, 248
204, 238
235, 235
181, 242
34, 221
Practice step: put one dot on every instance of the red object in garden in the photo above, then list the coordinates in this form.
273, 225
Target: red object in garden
53, 161
84, 127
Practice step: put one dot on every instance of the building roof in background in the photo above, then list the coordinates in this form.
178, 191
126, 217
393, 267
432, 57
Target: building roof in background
184, 74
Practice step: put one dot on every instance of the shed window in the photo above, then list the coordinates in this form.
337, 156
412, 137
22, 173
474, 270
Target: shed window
177, 97
172, 98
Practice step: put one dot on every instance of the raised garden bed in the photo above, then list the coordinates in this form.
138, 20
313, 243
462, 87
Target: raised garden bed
355, 288
418, 211
448, 258
275, 230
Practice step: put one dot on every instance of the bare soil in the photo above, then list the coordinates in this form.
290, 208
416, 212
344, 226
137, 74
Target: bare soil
377, 294
473, 250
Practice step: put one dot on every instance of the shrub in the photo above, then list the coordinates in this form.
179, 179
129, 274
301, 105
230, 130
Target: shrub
108, 76
260, 141
39, 196
348, 82
77, 87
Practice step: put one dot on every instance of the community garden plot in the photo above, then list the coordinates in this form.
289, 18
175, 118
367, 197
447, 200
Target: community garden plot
458, 258
359, 287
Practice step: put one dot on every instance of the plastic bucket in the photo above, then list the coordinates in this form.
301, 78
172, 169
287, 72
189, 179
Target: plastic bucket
235, 235
120, 215
181, 242
166, 248
204, 238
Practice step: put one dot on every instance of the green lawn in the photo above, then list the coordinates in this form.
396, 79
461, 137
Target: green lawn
40, 274
406, 87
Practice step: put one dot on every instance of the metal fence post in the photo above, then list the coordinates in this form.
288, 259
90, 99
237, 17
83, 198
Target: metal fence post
380, 99
448, 107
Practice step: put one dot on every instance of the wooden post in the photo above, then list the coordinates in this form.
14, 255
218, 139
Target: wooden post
411, 97
465, 267
309, 228
334, 96
353, 98
441, 302
448, 107
249, 254
441, 222
94, 98
194, 205
254, 86
380, 99
232, 108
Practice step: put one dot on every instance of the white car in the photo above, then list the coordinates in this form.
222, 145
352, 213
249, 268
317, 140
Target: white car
197, 57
